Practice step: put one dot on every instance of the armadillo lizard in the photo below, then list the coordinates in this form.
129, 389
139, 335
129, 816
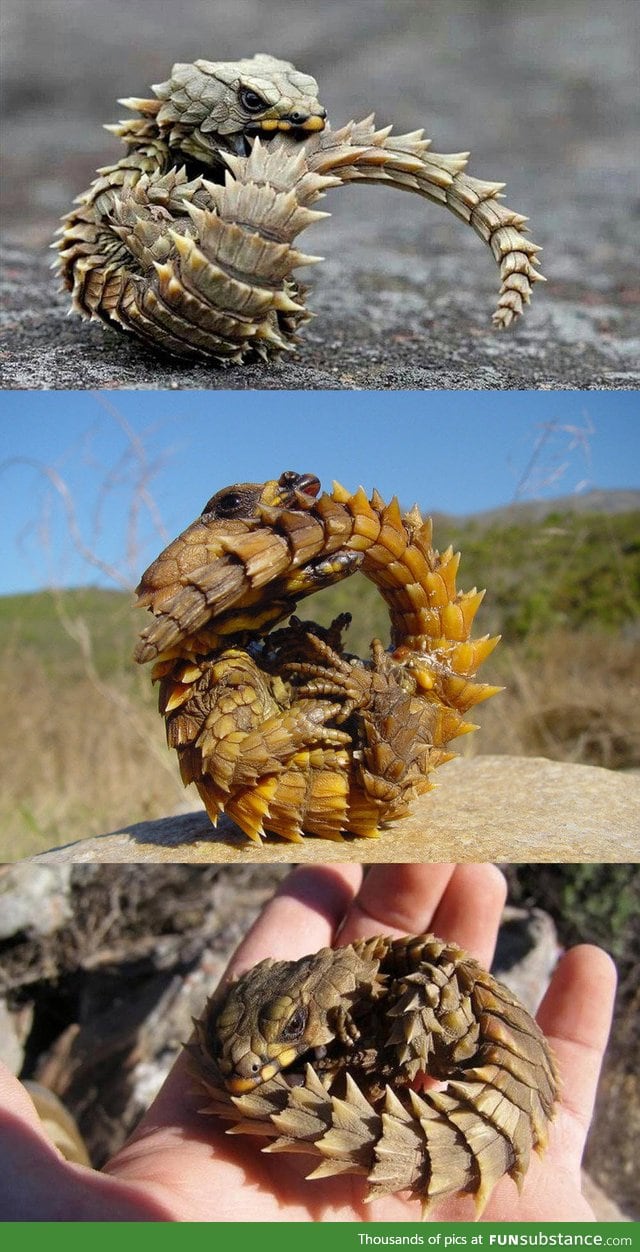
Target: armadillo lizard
285, 731
188, 240
324, 1056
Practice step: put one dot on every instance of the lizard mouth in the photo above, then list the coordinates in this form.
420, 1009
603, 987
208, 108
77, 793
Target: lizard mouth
306, 123
238, 1084
283, 1063
240, 141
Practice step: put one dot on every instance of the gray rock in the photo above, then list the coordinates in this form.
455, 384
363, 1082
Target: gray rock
14, 1028
526, 953
36, 902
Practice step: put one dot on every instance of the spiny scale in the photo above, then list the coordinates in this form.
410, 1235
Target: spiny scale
358, 1114
203, 267
284, 731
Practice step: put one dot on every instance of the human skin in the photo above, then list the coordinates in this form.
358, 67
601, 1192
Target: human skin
181, 1166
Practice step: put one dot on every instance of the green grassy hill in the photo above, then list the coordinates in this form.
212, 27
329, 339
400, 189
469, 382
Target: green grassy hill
58, 626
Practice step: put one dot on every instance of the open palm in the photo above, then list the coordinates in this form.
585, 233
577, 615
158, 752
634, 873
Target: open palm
181, 1166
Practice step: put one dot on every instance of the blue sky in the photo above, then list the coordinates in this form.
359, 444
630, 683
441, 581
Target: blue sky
93, 484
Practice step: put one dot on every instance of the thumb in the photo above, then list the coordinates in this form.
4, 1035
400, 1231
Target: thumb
39, 1185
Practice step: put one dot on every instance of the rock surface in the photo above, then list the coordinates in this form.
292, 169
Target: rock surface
526, 953
491, 808
41, 904
541, 95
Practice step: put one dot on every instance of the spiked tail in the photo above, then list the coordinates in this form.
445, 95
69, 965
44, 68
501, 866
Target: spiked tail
360, 153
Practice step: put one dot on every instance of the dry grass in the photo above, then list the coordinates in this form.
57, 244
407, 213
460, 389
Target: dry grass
82, 759
569, 696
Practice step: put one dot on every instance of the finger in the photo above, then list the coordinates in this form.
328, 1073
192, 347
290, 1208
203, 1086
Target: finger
302, 916
471, 908
396, 900
576, 1014
462, 904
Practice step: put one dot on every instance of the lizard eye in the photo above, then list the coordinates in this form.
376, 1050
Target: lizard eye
228, 504
251, 101
295, 1026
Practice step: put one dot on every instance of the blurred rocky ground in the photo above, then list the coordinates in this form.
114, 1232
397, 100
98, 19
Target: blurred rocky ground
543, 95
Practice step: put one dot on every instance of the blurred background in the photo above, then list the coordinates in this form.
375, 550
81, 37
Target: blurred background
540, 92
544, 96
539, 491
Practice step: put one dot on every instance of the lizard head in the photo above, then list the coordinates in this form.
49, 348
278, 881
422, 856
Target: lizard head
268, 1019
282, 1012
244, 500
232, 512
240, 567
220, 104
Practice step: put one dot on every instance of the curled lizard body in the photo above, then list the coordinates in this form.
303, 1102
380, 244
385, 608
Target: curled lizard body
188, 240
282, 729
328, 1056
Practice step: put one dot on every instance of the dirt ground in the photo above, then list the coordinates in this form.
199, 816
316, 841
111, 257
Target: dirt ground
542, 95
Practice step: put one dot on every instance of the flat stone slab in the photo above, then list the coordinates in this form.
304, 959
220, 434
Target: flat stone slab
485, 808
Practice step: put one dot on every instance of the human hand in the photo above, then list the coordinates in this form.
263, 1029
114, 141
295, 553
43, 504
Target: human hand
181, 1166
